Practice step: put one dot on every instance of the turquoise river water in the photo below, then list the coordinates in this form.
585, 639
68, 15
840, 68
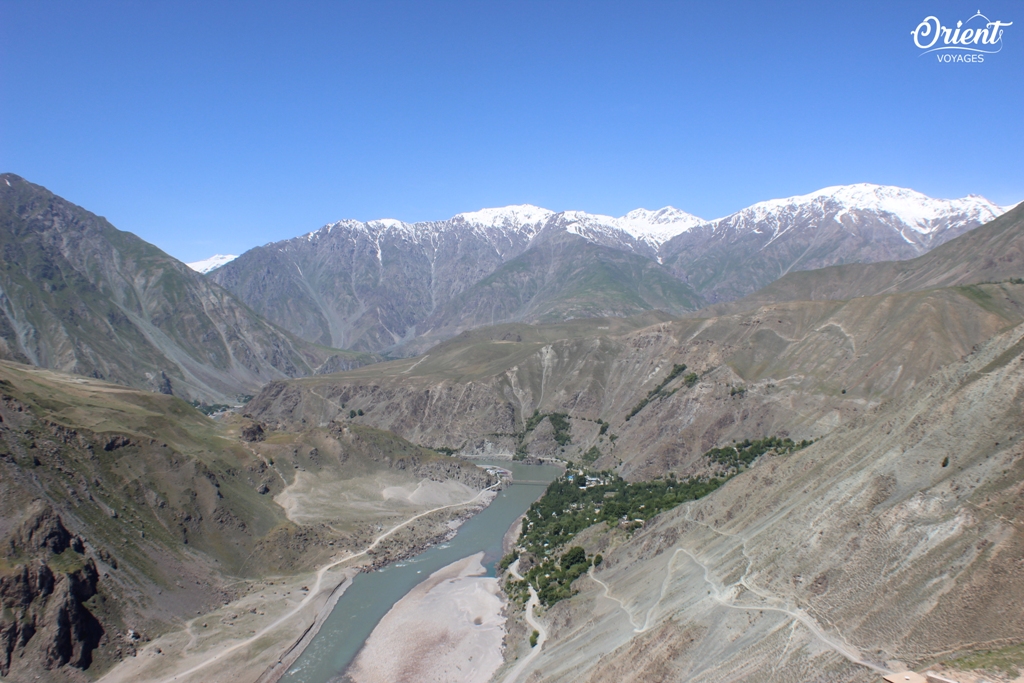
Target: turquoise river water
371, 595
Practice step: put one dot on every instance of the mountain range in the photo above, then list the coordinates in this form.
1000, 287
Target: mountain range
390, 286
805, 366
880, 330
78, 295
892, 541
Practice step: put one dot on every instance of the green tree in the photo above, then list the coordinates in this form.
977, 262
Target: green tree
573, 556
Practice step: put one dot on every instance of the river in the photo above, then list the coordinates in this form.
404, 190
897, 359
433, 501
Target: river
371, 595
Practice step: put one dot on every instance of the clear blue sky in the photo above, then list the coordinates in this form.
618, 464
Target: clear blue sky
213, 127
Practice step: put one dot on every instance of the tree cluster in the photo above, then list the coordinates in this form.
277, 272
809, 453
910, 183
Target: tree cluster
659, 391
575, 502
747, 451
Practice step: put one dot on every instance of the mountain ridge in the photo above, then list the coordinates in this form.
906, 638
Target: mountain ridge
991, 253
376, 286
79, 295
736, 255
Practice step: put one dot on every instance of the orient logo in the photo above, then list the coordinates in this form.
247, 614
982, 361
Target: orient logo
967, 42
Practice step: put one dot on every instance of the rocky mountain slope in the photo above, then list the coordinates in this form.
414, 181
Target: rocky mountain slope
991, 253
561, 277
381, 285
797, 369
793, 368
734, 256
372, 286
895, 542
78, 295
125, 514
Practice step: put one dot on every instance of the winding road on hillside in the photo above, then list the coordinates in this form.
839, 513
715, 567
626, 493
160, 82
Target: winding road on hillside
812, 626
542, 632
720, 594
608, 594
312, 595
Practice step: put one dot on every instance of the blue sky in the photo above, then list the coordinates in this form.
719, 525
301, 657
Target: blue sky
214, 127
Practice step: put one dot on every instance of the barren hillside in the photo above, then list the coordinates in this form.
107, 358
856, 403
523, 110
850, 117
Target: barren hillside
798, 369
896, 541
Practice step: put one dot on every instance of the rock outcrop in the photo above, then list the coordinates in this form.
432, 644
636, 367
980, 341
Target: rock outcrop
43, 596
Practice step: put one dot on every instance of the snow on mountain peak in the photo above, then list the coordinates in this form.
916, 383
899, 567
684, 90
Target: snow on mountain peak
661, 225
208, 264
387, 223
917, 211
643, 225
516, 215
646, 230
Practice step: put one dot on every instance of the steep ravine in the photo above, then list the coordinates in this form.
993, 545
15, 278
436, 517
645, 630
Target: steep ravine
797, 369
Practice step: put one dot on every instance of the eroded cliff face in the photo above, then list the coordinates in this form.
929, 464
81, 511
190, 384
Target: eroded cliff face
44, 591
897, 541
798, 369
125, 513
111, 534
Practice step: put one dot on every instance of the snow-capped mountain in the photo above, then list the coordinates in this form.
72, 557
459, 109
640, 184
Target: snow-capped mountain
521, 217
660, 225
641, 231
900, 208
373, 285
368, 285
730, 257
208, 264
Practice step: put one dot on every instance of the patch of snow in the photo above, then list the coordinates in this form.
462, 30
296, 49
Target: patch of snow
208, 264
640, 226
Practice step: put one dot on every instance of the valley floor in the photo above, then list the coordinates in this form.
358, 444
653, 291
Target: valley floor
260, 634
447, 629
